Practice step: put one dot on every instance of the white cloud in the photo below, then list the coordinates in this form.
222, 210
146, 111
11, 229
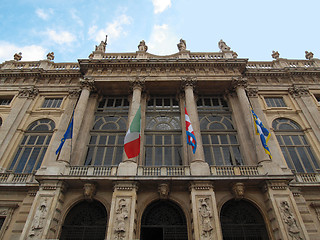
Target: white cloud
29, 53
62, 37
162, 40
114, 29
161, 5
76, 18
44, 14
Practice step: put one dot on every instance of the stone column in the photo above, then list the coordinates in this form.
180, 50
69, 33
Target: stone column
239, 86
128, 167
308, 107
123, 212
277, 163
284, 216
206, 222
45, 213
17, 114
198, 166
79, 112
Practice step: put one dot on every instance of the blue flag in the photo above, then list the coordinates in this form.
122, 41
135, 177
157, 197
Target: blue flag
263, 132
67, 135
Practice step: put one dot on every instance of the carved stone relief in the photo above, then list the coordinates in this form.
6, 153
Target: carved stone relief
206, 214
28, 92
163, 190
122, 213
89, 190
290, 221
316, 206
238, 190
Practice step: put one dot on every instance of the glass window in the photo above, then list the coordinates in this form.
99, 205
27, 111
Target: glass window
108, 131
52, 103
275, 102
33, 147
219, 138
296, 151
318, 98
5, 100
163, 146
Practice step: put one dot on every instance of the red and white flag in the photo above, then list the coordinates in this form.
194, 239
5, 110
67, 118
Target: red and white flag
191, 139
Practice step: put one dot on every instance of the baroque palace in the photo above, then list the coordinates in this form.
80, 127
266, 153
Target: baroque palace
228, 189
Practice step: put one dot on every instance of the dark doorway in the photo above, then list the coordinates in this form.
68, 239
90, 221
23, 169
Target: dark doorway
85, 221
163, 220
240, 220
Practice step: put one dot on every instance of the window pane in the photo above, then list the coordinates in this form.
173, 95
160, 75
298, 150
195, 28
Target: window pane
24, 158
148, 156
99, 156
112, 139
207, 155
109, 156
227, 156
89, 156
205, 139
32, 160
218, 156
305, 160
168, 156
119, 154
103, 140
295, 160
158, 156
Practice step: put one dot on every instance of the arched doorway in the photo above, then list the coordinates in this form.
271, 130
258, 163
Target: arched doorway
85, 221
240, 220
163, 220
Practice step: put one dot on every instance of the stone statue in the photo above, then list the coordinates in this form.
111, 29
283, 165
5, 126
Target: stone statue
39, 219
275, 55
142, 46
309, 55
182, 46
50, 56
102, 46
120, 221
17, 56
205, 216
223, 46
89, 190
289, 219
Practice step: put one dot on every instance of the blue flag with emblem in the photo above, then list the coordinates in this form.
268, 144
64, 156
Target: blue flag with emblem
263, 132
67, 135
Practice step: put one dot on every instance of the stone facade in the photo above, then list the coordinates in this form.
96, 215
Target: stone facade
166, 190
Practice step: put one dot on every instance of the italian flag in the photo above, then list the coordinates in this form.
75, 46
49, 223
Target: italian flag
132, 138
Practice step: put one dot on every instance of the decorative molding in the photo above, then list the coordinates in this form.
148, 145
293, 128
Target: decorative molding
289, 219
89, 191
239, 82
201, 186
188, 82
252, 91
121, 219
316, 206
164, 190
126, 186
206, 215
238, 190
298, 91
74, 93
137, 83
28, 92
87, 83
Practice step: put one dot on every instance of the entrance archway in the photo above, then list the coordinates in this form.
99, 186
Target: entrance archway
163, 220
240, 220
85, 221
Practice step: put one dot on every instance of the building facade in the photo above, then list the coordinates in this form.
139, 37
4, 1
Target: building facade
228, 189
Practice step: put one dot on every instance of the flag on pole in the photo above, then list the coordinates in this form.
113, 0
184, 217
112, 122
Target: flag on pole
191, 139
132, 138
263, 132
67, 135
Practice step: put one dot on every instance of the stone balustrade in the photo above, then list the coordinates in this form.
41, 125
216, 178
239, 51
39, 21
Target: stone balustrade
17, 178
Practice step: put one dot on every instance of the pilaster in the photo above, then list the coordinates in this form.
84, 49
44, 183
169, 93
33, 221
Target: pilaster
123, 212
284, 216
206, 222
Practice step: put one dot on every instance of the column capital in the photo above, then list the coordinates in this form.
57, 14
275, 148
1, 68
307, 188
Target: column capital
252, 91
137, 83
298, 91
74, 93
28, 92
188, 82
87, 83
239, 82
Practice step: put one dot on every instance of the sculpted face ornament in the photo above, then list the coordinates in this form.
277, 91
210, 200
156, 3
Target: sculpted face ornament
163, 190
238, 191
89, 190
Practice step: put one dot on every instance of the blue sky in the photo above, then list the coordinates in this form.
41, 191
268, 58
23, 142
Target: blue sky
72, 28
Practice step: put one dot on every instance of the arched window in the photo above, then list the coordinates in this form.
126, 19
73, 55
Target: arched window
108, 131
86, 220
163, 132
294, 146
33, 146
241, 220
163, 220
219, 138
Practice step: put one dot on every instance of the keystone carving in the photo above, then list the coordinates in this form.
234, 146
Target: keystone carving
289, 219
238, 190
89, 191
163, 190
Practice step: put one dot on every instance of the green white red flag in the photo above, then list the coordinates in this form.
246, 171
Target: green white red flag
132, 138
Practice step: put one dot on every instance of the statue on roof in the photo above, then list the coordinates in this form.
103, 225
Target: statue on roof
17, 56
223, 46
182, 45
309, 55
50, 56
142, 46
275, 55
102, 46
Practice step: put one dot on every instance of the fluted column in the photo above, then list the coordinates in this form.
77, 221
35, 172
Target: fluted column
198, 165
128, 167
18, 111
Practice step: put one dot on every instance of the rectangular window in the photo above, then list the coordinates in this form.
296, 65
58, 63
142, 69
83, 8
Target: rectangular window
5, 101
52, 103
2, 221
275, 102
